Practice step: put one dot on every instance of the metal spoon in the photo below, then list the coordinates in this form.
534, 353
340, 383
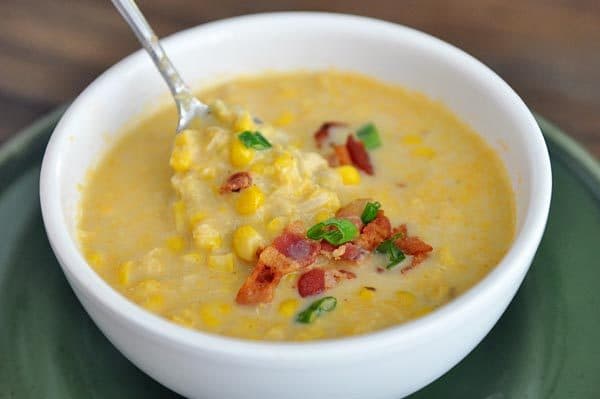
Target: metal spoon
188, 106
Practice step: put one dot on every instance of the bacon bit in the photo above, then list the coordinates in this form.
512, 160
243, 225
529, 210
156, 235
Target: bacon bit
411, 245
340, 156
311, 282
370, 288
322, 134
351, 252
416, 261
352, 212
380, 270
259, 286
400, 184
359, 155
402, 230
376, 232
348, 251
290, 252
334, 277
236, 182
293, 244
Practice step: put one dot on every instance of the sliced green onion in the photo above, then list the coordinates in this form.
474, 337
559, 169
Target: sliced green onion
370, 212
394, 254
254, 140
316, 309
335, 231
369, 135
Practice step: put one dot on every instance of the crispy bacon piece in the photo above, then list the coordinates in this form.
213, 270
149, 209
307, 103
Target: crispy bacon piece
348, 251
312, 282
322, 134
375, 232
352, 212
318, 280
411, 245
294, 245
340, 156
351, 252
290, 252
402, 230
359, 155
236, 182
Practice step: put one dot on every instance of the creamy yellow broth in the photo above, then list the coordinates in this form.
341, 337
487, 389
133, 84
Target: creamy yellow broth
155, 227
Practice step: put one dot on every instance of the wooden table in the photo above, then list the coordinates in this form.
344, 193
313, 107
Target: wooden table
548, 50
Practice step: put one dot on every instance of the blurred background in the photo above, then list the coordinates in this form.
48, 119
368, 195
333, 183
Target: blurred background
548, 50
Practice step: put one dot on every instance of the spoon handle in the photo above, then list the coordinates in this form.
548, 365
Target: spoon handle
188, 106
134, 17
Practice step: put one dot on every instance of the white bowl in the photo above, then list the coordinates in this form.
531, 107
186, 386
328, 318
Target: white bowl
385, 364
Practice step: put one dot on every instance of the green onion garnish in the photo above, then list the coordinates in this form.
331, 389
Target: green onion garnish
335, 231
316, 309
254, 140
370, 212
369, 135
388, 247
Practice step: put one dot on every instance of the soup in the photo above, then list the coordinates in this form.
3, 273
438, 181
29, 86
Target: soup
351, 205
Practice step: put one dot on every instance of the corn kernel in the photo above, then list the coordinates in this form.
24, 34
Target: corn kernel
225, 308
154, 302
239, 154
183, 138
221, 111
284, 119
349, 174
184, 318
175, 243
181, 159
283, 161
124, 272
288, 307
322, 215
243, 122
366, 294
179, 215
246, 241
412, 139
206, 237
276, 224
208, 173
94, 258
405, 298
249, 201
223, 263
209, 316
446, 257
424, 152
197, 218
146, 286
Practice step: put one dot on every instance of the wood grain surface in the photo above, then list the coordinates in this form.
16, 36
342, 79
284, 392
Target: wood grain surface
549, 51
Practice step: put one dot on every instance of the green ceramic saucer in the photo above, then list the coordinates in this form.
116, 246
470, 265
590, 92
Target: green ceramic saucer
545, 345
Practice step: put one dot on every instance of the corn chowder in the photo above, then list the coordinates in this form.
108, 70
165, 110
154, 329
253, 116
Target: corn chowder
349, 206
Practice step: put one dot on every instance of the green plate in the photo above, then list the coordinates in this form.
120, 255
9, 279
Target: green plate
545, 345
